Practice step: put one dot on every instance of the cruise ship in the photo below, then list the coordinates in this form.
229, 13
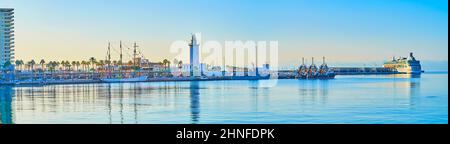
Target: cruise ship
405, 65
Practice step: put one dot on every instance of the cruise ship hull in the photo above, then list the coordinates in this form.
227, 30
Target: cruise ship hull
409, 71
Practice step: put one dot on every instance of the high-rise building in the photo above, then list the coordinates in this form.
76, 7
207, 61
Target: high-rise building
194, 56
6, 35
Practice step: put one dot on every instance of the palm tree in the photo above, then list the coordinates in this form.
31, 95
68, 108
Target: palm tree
115, 63
84, 63
180, 64
166, 63
31, 64
19, 63
107, 62
101, 63
57, 64
22, 63
42, 62
93, 61
7, 64
74, 64
78, 65
63, 64
50, 66
68, 65
88, 64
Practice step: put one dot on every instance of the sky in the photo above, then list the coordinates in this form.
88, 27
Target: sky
344, 31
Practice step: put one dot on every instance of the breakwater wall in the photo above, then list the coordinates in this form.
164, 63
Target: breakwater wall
363, 70
86, 78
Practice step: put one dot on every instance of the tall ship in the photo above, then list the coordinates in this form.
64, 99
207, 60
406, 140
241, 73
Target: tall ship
405, 65
113, 77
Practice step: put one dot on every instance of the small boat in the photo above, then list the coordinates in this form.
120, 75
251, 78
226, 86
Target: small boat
313, 72
119, 80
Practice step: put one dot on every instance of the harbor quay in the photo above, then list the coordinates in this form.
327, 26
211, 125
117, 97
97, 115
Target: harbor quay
81, 77
21, 79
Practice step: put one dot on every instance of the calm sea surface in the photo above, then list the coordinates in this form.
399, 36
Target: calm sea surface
347, 99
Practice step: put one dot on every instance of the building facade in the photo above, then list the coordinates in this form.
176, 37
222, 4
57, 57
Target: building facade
6, 36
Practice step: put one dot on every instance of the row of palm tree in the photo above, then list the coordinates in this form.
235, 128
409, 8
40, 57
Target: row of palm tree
166, 63
91, 64
85, 65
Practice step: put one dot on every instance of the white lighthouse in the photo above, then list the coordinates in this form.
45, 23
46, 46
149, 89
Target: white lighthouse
194, 56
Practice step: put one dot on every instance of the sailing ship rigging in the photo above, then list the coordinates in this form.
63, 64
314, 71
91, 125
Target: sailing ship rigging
134, 73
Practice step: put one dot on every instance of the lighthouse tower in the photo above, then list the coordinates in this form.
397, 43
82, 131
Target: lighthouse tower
194, 56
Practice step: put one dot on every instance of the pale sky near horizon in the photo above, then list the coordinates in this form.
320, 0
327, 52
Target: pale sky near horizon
343, 31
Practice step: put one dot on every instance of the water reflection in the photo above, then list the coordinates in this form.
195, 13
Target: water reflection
407, 85
109, 103
259, 90
195, 101
291, 101
315, 91
6, 94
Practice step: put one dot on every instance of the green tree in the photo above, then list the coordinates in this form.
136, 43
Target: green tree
31, 64
93, 62
42, 62
166, 64
19, 64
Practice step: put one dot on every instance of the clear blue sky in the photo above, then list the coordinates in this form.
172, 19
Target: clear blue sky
345, 31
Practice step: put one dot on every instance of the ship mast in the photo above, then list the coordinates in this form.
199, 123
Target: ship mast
120, 61
223, 63
134, 54
256, 68
109, 54
109, 58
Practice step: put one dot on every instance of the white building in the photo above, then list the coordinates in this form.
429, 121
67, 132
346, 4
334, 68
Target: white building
6, 35
194, 56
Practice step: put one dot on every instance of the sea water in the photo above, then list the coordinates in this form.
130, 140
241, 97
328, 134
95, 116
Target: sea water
354, 99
